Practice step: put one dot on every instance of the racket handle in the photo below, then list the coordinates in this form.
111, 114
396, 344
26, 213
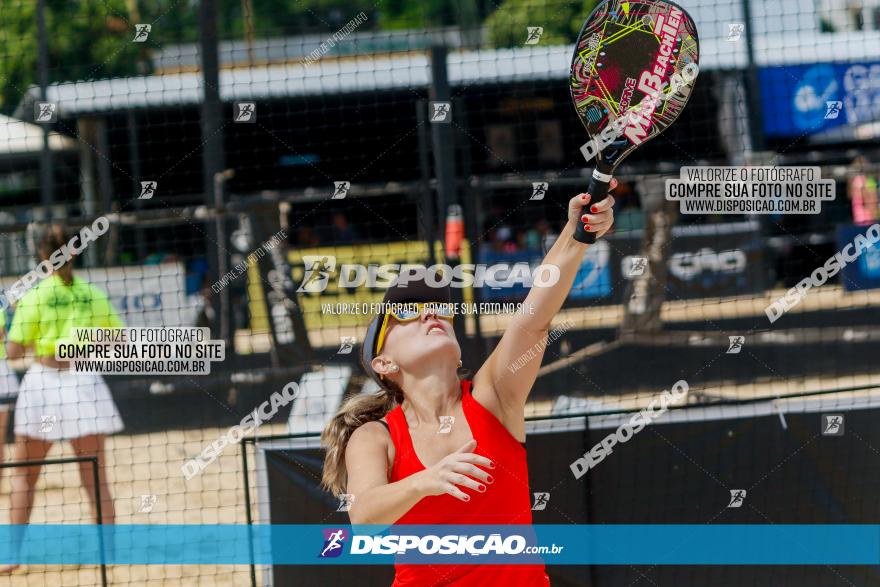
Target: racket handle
598, 190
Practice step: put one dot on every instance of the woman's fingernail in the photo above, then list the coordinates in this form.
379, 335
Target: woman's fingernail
589, 227
594, 209
584, 218
489, 479
491, 464
467, 497
481, 487
584, 197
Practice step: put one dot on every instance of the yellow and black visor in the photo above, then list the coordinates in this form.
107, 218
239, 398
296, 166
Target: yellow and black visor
404, 303
412, 311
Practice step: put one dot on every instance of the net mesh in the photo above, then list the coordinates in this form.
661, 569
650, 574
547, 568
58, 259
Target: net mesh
257, 164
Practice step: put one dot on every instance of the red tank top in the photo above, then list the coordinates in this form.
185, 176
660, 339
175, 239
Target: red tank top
506, 501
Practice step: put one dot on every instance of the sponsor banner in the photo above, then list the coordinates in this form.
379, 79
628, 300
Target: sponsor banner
593, 279
705, 261
809, 99
559, 544
317, 289
714, 260
864, 273
144, 295
262, 224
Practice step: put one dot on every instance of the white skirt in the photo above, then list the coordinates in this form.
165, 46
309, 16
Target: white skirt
59, 404
8, 386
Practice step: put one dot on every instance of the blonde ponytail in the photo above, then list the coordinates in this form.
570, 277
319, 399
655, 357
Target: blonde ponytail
354, 413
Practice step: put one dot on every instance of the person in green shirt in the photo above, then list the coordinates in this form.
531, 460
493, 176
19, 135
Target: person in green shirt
55, 402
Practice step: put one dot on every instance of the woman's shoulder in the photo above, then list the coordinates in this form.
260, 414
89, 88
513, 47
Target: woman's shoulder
371, 441
375, 430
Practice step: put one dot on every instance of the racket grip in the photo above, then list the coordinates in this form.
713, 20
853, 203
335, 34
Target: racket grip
598, 190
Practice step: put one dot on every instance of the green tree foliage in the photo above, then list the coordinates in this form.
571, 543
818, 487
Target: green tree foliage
283, 18
562, 21
92, 39
86, 40
407, 14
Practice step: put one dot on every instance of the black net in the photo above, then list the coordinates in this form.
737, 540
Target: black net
259, 168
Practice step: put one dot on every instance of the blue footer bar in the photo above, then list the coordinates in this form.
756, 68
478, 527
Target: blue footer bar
640, 544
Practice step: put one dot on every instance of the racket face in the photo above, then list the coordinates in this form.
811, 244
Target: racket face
627, 51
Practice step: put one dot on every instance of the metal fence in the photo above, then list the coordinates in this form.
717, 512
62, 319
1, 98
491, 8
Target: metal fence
372, 133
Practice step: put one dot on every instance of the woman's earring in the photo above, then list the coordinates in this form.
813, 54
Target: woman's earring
393, 368
460, 363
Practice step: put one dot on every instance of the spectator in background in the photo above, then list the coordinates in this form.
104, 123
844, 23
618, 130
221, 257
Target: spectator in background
862, 191
54, 402
530, 240
628, 197
544, 233
504, 241
541, 237
306, 237
495, 241
341, 230
500, 235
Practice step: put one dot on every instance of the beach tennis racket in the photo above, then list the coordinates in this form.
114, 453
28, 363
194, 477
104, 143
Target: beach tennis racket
632, 72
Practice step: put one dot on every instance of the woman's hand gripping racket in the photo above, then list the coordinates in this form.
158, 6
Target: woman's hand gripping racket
632, 73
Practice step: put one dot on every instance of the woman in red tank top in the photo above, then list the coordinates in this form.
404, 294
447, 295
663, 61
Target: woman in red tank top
431, 449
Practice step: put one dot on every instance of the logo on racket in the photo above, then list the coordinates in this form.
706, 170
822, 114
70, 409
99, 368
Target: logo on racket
737, 498
832, 424
441, 112
595, 114
534, 33
318, 270
542, 498
635, 122
539, 190
333, 541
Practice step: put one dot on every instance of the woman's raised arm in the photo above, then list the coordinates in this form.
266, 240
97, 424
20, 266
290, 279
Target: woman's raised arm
510, 371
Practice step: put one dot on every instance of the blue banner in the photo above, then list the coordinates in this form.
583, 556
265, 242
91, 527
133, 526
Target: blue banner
704, 261
593, 279
569, 544
808, 99
864, 272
